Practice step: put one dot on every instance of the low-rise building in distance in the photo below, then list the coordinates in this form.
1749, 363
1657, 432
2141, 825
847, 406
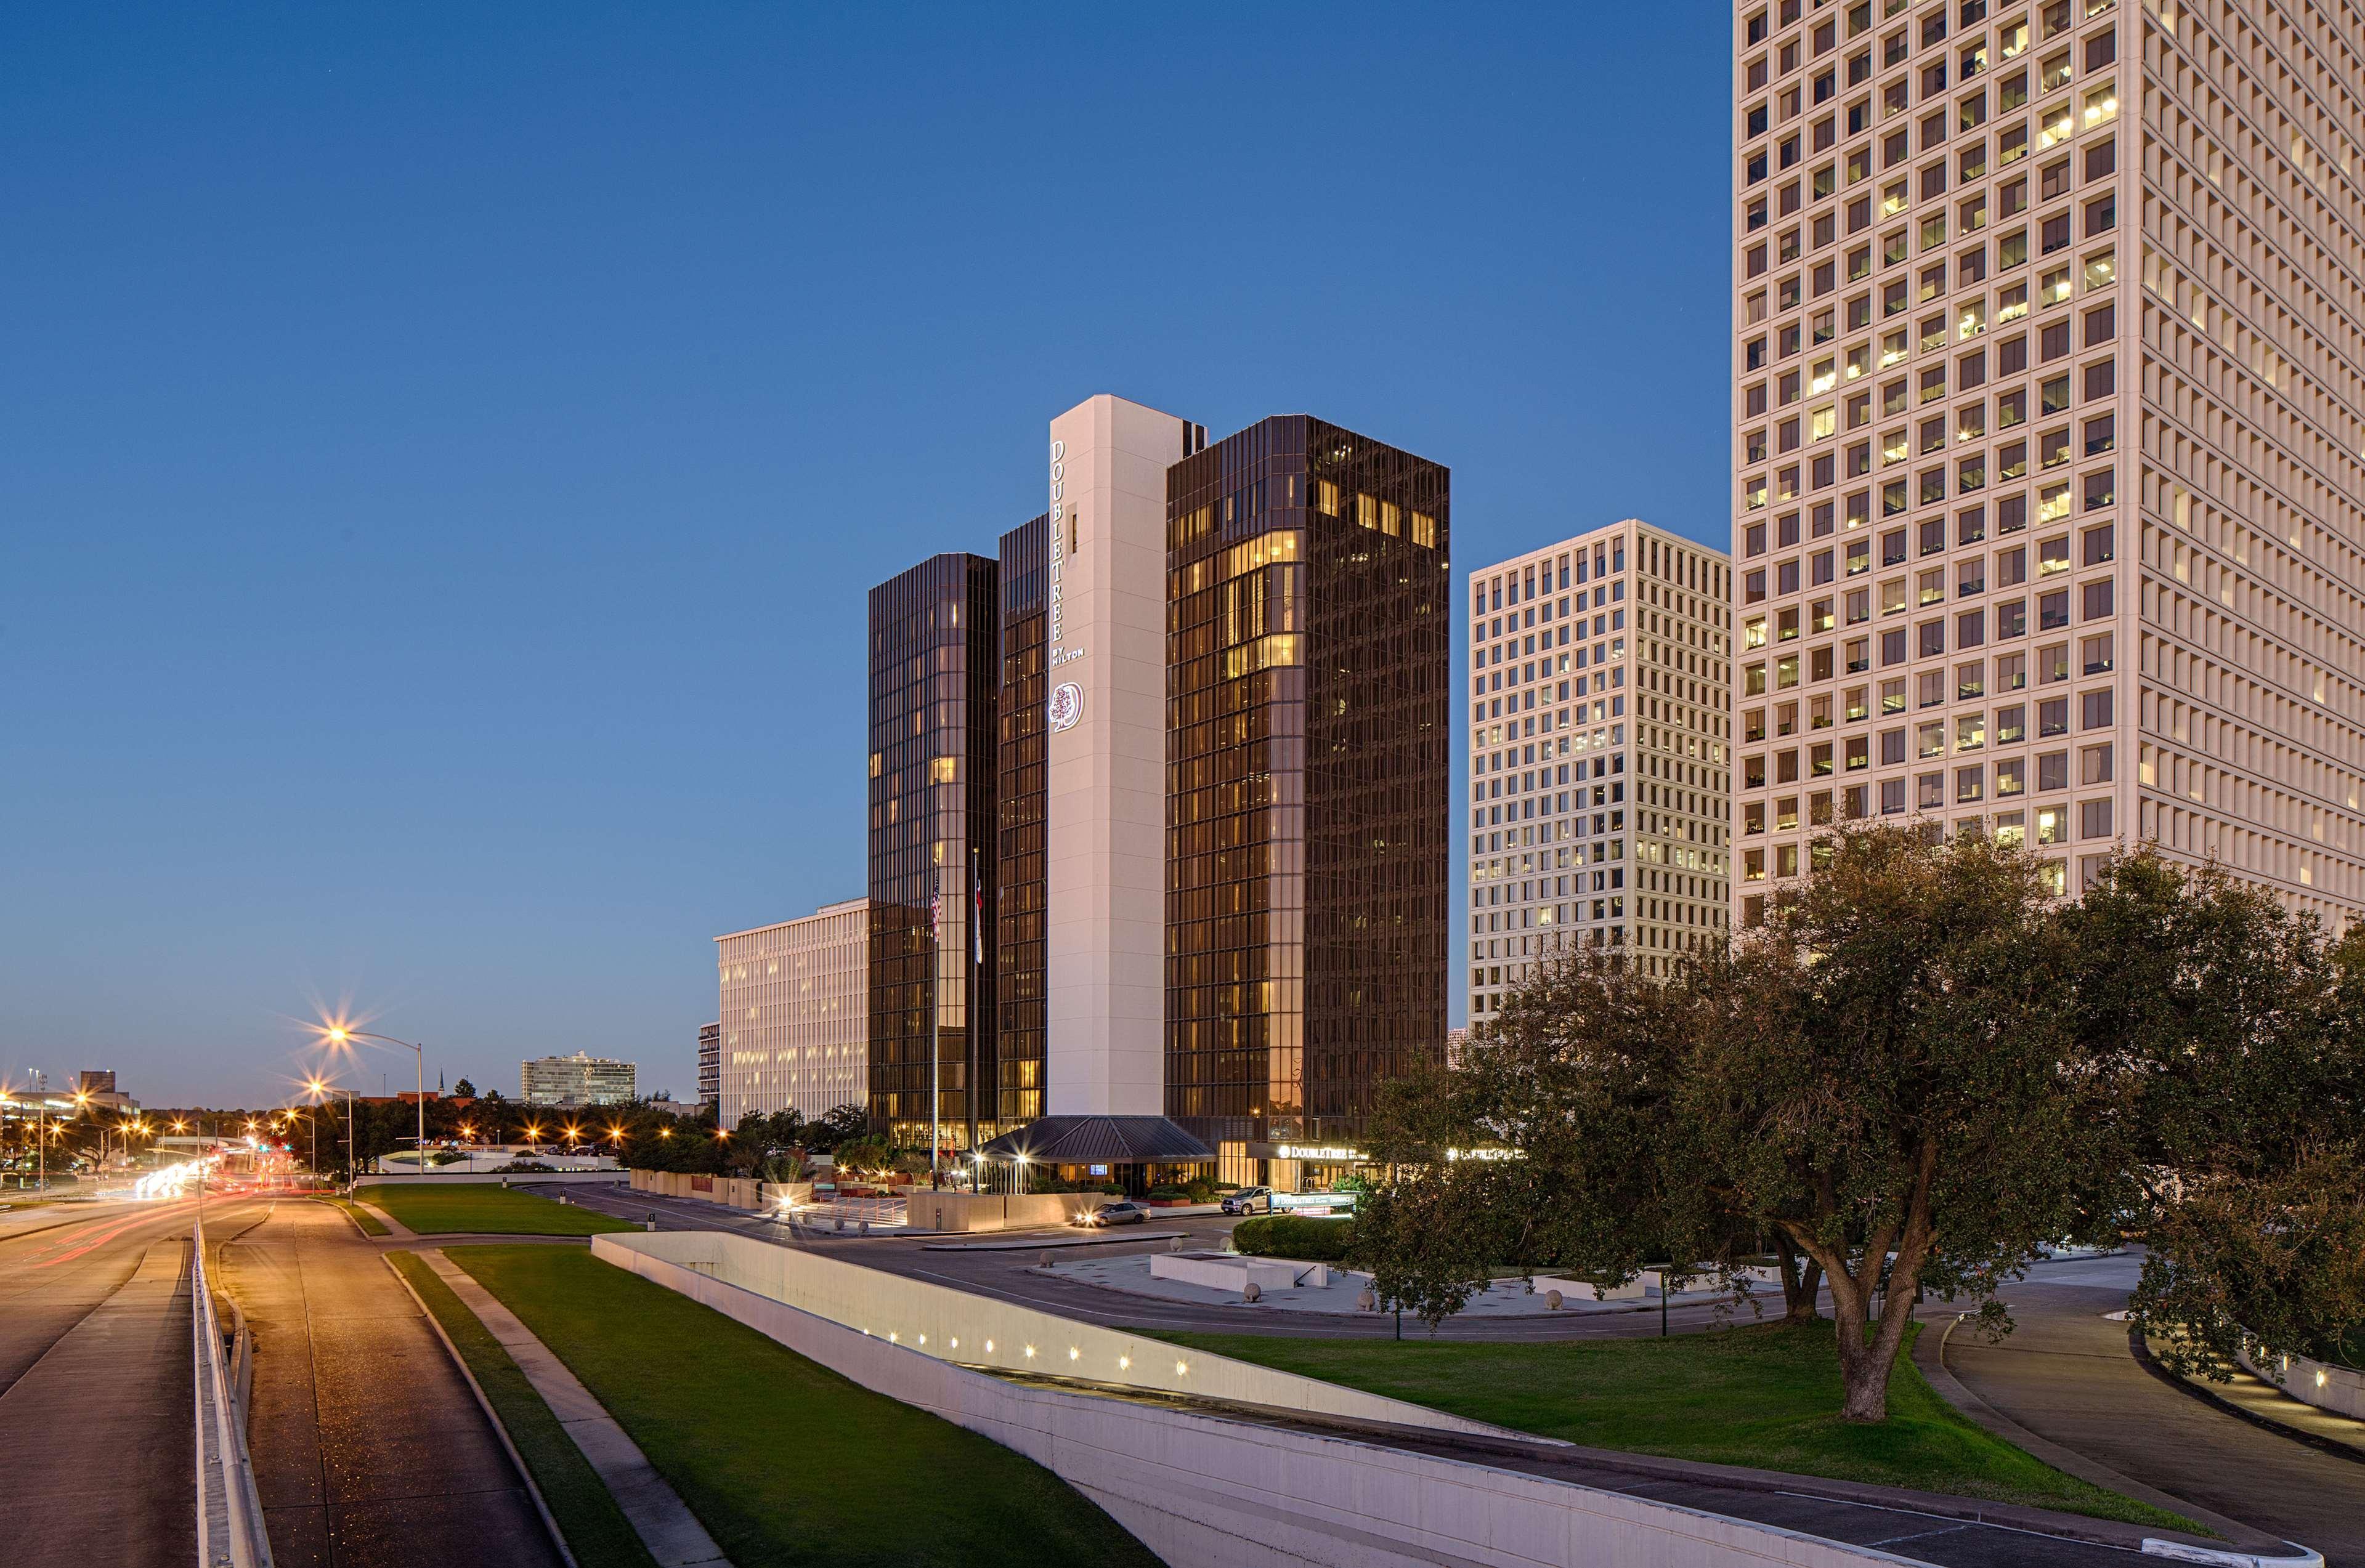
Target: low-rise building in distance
578, 1080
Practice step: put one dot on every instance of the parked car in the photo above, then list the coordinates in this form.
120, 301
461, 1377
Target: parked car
1249, 1201
1126, 1212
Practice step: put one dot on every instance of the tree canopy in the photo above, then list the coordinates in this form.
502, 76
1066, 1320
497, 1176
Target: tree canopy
1923, 1069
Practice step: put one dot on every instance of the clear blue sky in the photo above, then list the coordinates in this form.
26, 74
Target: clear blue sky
443, 449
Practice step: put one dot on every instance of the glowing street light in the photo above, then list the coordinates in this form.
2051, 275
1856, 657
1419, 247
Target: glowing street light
339, 1034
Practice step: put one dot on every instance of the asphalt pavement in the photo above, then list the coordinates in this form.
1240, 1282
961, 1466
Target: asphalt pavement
369, 1447
97, 1440
2067, 1374
995, 1270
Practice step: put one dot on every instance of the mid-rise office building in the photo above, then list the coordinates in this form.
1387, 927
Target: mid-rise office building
1308, 750
1178, 664
710, 1067
2017, 286
1599, 753
578, 1080
795, 1000
935, 679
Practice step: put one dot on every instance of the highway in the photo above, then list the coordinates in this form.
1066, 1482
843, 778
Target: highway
368, 1446
96, 1397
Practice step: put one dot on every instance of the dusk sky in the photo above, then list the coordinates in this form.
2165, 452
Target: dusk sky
446, 448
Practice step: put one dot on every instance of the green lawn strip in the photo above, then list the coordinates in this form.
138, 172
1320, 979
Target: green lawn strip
782, 1459
370, 1224
596, 1529
1763, 1396
491, 1209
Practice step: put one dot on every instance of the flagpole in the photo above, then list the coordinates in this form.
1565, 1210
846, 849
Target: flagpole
976, 956
936, 1025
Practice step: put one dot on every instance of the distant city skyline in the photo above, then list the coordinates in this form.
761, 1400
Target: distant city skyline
438, 570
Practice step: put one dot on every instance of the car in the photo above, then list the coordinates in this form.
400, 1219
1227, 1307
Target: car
1125, 1212
1249, 1201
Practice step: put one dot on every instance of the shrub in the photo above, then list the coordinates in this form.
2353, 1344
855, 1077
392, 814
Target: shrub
1294, 1235
1168, 1189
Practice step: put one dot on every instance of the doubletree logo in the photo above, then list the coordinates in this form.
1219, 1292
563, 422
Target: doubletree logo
1067, 705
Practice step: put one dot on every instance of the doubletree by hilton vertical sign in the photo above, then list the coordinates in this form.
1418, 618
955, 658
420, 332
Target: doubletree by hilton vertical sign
1066, 701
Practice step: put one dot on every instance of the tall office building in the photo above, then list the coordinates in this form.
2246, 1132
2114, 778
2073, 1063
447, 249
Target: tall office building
577, 1080
2016, 285
1307, 747
934, 670
795, 1000
1599, 752
710, 1068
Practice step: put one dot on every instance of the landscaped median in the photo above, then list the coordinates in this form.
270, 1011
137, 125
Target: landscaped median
370, 1225
1765, 1398
487, 1209
781, 1459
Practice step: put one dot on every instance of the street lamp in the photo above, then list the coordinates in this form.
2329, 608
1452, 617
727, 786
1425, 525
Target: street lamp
318, 1091
337, 1034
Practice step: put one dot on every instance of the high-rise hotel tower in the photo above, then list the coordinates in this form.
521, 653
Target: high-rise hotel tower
1196, 718
1599, 752
2049, 430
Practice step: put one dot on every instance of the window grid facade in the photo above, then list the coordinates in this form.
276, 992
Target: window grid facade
1598, 667
1308, 672
935, 671
2010, 556
795, 1006
1019, 935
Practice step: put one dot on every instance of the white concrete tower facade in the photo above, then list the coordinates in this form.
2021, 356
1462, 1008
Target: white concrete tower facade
1105, 864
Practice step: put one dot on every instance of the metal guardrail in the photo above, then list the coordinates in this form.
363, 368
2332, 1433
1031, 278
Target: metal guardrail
230, 1514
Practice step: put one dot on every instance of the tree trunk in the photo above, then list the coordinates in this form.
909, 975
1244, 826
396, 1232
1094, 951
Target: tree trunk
1802, 1280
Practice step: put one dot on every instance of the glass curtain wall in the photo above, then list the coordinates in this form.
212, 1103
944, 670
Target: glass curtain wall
935, 675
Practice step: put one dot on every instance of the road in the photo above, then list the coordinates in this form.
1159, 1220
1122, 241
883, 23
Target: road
96, 1397
2067, 1374
1869, 1516
369, 1447
1010, 1275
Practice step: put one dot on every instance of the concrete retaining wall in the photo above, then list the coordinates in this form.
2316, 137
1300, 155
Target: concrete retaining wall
2320, 1383
1200, 1491
931, 1210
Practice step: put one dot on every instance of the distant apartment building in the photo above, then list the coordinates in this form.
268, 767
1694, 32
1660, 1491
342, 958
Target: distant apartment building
577, 1080
794, 1034
710, 1067
1599, 752
2015, 286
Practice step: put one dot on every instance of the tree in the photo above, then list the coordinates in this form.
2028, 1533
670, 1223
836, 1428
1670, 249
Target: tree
1878, 1077
2228, 1033
464, 1089
841, 1125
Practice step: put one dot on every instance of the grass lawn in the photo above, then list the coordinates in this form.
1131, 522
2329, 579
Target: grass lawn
596, 1529
490, 1209
370, 1225
782, 1459
1763, 1396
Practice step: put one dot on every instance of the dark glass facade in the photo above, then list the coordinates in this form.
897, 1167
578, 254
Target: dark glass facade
1017, 1080
1308, 674
934, 680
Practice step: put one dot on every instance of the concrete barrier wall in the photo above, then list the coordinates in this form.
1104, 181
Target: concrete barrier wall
1202, 1491
2320, 1383
732, 1192
487, 1178
931, 1318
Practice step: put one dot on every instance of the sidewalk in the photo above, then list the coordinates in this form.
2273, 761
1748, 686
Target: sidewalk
655, 1511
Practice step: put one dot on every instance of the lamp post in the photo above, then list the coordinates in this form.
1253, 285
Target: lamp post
337, 1034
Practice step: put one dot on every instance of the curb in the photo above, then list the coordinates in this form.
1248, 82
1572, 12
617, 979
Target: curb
2150, 1363
517, 1460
